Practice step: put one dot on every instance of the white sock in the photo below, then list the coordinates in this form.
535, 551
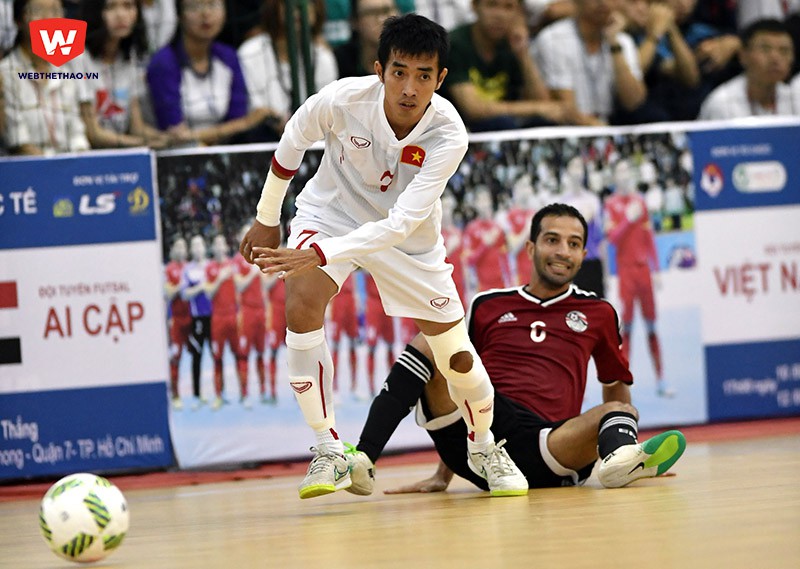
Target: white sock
311, 377
329, 438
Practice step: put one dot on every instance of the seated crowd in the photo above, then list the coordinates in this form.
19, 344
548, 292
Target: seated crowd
176, 73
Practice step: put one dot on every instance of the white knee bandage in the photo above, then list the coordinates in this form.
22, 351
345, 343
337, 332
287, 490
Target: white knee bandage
451, 342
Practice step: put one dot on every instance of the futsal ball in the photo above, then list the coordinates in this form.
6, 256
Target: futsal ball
83, 517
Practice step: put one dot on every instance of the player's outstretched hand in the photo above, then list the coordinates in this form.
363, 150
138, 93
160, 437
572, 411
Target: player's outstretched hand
432, 484
285, 262
259, 235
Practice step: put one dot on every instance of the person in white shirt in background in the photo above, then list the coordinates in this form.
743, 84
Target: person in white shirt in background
391, 144
265, 61
38, 116
588, 61
116, 49
767, 55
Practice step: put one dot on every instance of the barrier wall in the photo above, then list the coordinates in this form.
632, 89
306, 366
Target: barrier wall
83, 324
83, 359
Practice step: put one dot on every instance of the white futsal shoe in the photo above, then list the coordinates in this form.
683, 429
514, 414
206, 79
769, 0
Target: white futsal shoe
644, 460
327, 473
362, 471
500, 472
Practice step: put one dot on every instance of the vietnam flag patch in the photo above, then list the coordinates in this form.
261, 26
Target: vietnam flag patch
413, 155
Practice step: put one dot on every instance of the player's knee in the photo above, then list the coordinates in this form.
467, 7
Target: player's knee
461, 362
620, 406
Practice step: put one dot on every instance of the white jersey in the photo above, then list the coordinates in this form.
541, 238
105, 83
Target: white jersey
730, 101
382, 192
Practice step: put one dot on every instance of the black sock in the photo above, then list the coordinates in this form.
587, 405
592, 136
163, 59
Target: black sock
616, 429
400, 393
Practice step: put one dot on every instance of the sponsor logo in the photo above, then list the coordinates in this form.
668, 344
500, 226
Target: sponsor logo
300, 386
360, 142
338, 474
63, 207
58, 40
637, 467
139, 200
487, 409
103, 204
440, 302
711, 180
759, 177
507, 317
577, 321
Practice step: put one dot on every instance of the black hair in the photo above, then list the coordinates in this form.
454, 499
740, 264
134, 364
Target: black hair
413, 35
91, 11
557, 210
767, 25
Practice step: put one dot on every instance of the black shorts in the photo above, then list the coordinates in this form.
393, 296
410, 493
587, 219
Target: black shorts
520, 427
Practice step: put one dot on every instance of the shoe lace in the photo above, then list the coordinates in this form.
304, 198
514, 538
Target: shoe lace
499, 461
350, 449
322, 459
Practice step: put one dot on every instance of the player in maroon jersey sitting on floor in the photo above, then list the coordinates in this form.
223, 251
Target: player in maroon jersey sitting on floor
535, 341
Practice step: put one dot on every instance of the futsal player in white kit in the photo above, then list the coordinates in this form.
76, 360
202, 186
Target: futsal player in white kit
391, 144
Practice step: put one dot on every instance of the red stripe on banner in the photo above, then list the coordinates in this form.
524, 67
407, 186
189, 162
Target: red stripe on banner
8, 294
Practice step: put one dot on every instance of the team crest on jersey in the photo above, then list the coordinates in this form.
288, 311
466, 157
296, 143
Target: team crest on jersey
577, 321
360, 142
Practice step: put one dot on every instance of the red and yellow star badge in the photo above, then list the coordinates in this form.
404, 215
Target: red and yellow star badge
413, 155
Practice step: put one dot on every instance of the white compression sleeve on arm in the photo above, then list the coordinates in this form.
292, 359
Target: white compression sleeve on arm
268, 211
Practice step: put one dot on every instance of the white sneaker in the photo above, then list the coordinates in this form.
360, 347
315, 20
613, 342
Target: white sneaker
362, 471
645, 460
503, 476
327, 473
177, 403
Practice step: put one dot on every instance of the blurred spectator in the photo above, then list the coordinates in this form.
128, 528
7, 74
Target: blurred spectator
492, 78
588, 61
160, 20
449, 14
664, 55
544, 12
8, 31
357, 57
115, 48
38, 115
750, 11
266, 64
341, 15
766, 56
241, 21
795, 87
674, 205
654, 200
485, 249
196, 83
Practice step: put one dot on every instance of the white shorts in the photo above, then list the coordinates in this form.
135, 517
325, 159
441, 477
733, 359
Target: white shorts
411, 286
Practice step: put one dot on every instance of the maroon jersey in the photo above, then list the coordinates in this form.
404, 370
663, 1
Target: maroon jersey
252, 296
178, 307
536, 351
224, 302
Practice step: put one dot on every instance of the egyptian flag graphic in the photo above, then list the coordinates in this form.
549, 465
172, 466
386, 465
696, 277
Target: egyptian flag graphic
413, 155
10, 348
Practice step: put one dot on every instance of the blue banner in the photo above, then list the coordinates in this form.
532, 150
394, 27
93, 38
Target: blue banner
756, 379
744, 168
76, 430
104, 198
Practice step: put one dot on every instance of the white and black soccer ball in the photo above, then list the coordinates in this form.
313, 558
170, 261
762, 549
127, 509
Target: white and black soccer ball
83, 517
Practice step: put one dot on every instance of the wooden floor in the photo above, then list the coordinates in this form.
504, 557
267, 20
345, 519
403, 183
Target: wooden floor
731, 504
